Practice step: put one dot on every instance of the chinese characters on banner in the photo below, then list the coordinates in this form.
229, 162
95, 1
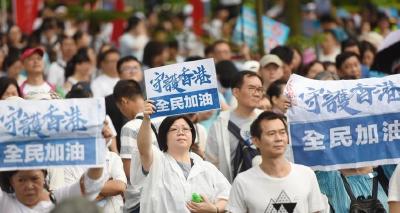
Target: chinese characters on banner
344, 124
183, 88
51, 133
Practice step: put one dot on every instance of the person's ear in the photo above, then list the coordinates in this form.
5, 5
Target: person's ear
235, 92
256, 141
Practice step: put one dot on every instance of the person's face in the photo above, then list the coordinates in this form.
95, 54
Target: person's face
368, 58
179, 136
34, 64
329, 42
351, 69
315, 70
129, 107
84, 68
68, 48
131, 70
28, 186
10, 91
110, 63
15, 34
271, 73
250, 93
222, 52
281, 102
273, 140
14, 70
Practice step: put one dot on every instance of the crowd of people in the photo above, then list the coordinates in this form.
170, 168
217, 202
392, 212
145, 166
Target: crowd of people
157, 164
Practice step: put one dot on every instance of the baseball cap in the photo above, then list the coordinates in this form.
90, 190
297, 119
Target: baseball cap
270, 59
30, 51
251, 65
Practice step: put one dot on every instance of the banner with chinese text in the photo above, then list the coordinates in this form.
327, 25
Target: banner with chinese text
344, 124
51, 133
183, 88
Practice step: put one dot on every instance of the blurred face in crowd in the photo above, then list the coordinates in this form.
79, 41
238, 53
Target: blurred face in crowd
350, 69
109, 65
368, 58
68, 48
129, 107
281, 102
15, 35
14, 69
84, 69
250, 93
10, 91
315, 70
179, 136
265, 104
273, 139
271, 72
353, 49
28, 186
329, 43
131, 70
296, 62
221, 52
34, 64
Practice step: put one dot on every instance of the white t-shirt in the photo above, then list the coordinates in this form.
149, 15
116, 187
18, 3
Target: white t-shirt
9, 203
113, 169
30, 90
56, 74
254, 191
394, 186
103, 85
167, 190
132, 45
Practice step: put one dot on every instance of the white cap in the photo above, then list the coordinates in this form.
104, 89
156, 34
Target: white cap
252, 65
270, 59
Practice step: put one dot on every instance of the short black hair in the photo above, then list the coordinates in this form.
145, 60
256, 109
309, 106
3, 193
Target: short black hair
127, 89
275, 89
12, 57
102, 56
125, 59
133, 22
80, 56
226, 71
366, 46
166, 125
238, 80
152, 50
350, 42
5, 82
255, 127
80, 90
286, 54
342, 57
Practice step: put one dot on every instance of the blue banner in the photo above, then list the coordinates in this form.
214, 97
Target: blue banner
51, 133
344, 124
187, 87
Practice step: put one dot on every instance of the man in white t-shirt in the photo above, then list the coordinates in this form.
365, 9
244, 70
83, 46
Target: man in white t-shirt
56, 71
104, 84
276, 185
32, 59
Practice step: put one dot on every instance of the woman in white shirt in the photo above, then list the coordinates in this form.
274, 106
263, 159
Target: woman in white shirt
175, 173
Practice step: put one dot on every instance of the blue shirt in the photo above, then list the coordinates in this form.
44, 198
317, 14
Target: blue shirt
332, 186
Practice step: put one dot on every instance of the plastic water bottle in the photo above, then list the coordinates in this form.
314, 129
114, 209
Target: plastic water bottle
197, 198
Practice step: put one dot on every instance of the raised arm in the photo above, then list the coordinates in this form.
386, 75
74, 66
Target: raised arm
144, 136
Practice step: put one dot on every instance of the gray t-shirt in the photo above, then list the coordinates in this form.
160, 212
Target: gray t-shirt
233, 141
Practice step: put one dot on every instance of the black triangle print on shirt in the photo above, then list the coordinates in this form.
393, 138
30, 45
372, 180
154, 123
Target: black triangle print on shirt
282, 204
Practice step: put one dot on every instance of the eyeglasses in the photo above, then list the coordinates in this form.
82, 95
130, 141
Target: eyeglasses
184, 130
253, 90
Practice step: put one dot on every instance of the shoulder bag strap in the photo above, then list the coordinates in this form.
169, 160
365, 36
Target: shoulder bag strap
348, 188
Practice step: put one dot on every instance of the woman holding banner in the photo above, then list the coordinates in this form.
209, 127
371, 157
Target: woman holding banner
173, 174
28, 191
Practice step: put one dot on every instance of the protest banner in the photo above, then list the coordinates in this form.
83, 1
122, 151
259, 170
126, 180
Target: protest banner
245, 31
51, 133
183, 88
344, 124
